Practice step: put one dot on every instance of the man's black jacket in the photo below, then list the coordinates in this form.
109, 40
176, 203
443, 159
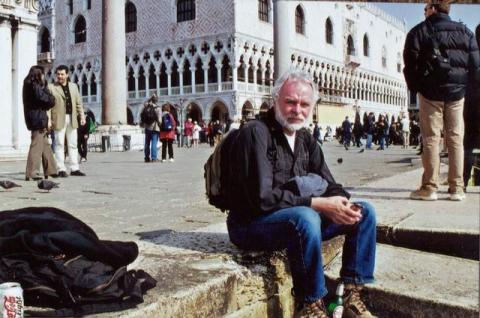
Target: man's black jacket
264, 162
455, 42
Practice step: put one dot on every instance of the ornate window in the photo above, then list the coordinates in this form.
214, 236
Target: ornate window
70, 6
80, 30
45, 41
89, 4
384, 56
185, 10
366, 46
329, 31
299, 20
399, 63
263, 10
350, 46
130, 17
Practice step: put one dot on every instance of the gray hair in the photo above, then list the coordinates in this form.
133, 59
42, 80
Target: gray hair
294, 74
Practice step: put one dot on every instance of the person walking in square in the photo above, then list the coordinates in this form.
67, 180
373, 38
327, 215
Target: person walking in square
168, 127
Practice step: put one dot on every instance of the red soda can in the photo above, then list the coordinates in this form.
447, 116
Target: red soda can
11, 300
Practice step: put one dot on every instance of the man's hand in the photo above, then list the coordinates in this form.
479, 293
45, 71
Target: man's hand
338, 209
82, 122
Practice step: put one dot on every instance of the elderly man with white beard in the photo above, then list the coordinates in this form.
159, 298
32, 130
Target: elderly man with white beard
269, 214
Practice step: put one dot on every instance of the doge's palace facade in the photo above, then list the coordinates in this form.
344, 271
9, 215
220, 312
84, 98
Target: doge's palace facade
214, 59
18, 52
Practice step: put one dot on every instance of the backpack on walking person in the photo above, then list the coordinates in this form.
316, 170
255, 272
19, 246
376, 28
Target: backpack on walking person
148, 115
167, 123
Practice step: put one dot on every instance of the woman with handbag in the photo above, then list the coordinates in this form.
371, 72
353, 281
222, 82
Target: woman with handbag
37, 100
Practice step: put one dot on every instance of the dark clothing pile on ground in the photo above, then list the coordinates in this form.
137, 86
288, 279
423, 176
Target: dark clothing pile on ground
62, 264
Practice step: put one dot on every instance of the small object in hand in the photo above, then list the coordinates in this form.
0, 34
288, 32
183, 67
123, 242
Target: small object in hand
47, 185
6, 184
357, 206
340, 160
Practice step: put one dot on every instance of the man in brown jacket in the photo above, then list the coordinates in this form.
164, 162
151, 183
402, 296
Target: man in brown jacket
64, 115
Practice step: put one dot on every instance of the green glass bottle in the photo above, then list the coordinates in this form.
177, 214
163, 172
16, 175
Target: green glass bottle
335, 308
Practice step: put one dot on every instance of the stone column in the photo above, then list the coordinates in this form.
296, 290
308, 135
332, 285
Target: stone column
282, 29
205, 77
99, 90
135, 75
180, 77
157, 82
24, 56
192, 73
89, 91
114, 98
235, 76
169, 81
6, 129
219, 76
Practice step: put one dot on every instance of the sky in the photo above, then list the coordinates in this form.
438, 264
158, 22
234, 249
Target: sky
413, 13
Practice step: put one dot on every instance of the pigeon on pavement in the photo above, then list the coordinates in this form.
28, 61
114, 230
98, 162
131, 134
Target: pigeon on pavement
340, 160
47, 185
361, 150
6, 184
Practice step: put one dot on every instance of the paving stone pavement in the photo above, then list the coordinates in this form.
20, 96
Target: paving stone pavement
123, 198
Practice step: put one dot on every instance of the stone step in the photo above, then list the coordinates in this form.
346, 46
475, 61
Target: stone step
201, 274
415, 284
449, 242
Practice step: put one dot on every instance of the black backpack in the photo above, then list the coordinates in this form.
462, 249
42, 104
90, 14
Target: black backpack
167, 124
149, 114
217, 171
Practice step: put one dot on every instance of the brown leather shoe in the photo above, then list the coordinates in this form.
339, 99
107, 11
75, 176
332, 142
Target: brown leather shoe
354, 307
313, 310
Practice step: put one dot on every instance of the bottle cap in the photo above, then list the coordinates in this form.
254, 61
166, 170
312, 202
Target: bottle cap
340, 289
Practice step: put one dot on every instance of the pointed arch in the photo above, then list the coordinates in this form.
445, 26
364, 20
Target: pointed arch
329, 31
366, 45
80, 29
130, 17
299, 20
350, 46
45, 41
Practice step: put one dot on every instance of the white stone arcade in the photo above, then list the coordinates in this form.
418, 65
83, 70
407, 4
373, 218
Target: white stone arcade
18, 52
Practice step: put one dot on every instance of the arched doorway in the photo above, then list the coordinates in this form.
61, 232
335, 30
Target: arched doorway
194, 112
219, 112
247, 111
263, 110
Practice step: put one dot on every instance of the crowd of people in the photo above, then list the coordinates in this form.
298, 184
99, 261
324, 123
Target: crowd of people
382, 131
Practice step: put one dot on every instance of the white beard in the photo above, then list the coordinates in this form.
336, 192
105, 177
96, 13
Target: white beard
285, 124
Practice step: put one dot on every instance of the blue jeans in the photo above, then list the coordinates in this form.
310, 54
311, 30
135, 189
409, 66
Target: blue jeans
151, 141
301, 231
382, 142
369, 141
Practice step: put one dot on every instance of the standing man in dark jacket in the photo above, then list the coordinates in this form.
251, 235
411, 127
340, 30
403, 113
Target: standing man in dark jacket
265, 215
37, 99
441, 57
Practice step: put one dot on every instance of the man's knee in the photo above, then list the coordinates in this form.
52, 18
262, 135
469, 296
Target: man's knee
307, 221
368, 214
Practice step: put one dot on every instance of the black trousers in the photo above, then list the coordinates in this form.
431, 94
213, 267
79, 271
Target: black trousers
166, 142
82, 145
